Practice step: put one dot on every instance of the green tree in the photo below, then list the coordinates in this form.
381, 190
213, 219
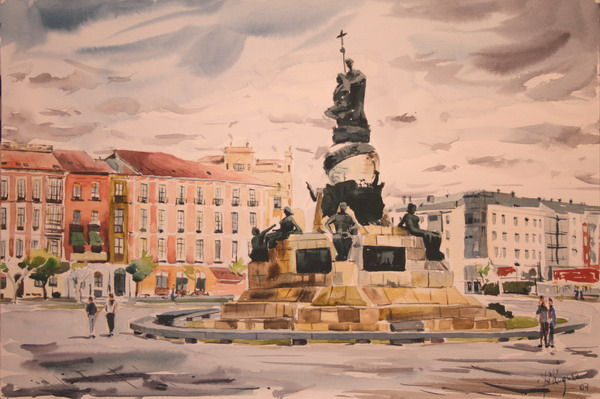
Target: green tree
238, 267
141, 268
35, 260
52, 266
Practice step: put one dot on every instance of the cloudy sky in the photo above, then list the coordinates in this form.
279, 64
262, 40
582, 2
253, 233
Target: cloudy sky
461, 95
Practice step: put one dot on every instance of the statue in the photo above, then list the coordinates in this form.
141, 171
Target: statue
345, 228
260, 252
287, 226
432, 239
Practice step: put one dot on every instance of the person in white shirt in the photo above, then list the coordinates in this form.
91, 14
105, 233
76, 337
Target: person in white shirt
111, 309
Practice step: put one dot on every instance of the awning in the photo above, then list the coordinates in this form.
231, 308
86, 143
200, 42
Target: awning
503, 271
95, 238
77, 238
119, 270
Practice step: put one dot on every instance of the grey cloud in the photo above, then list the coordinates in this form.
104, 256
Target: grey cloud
214, 52
118, 105
18, 76
321, 151
70, 83
20, 127
589, 178
441, 146
578, 76
170, 106
438, 70
404, 118
440, 168
491, 161
119, 79
171, 138
512, 57
300, 120
548, 135
60, 112
453, 11
88, 68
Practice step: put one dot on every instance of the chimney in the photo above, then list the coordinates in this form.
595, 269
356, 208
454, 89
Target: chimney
512, 194
570, 201
498, 190
539, 198
404, 199
409, 198
560, 200
430, 198
247, 144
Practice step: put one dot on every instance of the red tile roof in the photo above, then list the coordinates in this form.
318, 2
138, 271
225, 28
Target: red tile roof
30, 160
226, 276
161, 164
81, 162
212, 159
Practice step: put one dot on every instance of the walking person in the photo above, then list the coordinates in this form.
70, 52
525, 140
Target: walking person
91, 311
542, 315
111, 309
552, 321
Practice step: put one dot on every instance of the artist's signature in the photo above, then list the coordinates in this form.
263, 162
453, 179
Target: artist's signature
553, 377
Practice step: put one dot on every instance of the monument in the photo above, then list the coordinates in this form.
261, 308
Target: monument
364, 276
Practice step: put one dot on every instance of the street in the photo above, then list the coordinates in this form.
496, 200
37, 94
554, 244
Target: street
46, 351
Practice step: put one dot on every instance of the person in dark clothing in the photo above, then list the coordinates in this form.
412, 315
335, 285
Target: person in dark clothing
552, 321
287, 226
542, 316
91, 311
260, 252
111, 309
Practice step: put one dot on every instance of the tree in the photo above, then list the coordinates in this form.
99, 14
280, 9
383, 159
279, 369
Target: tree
79, 274
238, 267
51, 267
35, 260
141, 268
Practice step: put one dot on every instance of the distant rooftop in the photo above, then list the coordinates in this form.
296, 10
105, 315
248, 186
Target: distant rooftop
29, 160
81, 162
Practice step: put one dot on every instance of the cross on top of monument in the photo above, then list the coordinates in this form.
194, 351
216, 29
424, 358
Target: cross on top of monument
342, 49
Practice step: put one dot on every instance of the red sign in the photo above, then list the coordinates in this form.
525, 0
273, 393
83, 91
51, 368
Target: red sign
577, 275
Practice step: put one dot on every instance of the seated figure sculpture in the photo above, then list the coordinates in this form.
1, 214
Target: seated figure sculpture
260, 252
287, 226
345, 228
431, 239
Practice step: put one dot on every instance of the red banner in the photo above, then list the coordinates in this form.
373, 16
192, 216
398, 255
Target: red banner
577, 275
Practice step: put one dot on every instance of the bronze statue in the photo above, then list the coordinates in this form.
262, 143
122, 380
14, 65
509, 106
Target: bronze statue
345, 228
287, 226
432, 239
260, 252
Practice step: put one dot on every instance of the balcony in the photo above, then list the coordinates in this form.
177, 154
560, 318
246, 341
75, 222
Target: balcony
4, 197
76, 228
21, 197
3, 226
78, 198
90, 256
180, 201
218, 231
235, 202
54, 200
180, 230
36, 200
54, 228
218, 201
143, 199
252, 202
95, 198
118, 228
199, 201
20, 228
162, 200
120, 199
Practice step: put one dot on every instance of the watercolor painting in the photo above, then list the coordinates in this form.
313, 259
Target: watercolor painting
300, 199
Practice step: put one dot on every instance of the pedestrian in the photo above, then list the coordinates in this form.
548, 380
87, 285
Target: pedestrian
91, 311
542, 314
576, 293
552, 321
581, 293
111, 309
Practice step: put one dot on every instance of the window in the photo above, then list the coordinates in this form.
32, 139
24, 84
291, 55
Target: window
574, 238
526, 221
199, 221
181, 282
54, 218
2, 249
118, 188
534, 222
34, 244
447, 234
504, 236
217, 250
493, 218
252, 219
533, 254
118, 246
235, 201
504, 252
19, 248
199, 195
118, 220
180, 247
162, 250
94, 218
54, 192
526, 237
143, 246
181, 195
517, 253
517, 237
98, 280
540, 238
494, 235
162, 280
4, 189
218, 200
119, 192
234, 251
36, 219
143, 193
447, 219
277, 202
76, 217
76, 192
218, 222
516, 221
95, 194
447, 253
199, 250
238, 167
252, 197
234, 222
36, 193
180, 221
143, 219
54, 246
496, 251
526, 254
20, 219
162, 220
20, 189
472, 218
2, 283
162, 193
3, 218
37, 283
503, 217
